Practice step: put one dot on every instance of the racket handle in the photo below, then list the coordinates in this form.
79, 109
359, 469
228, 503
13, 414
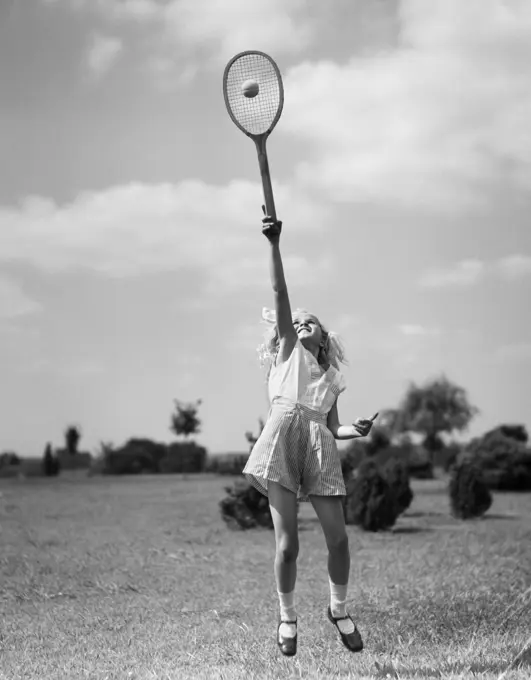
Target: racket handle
266, 178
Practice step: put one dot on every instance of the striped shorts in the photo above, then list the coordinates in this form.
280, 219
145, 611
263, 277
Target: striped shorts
296, 449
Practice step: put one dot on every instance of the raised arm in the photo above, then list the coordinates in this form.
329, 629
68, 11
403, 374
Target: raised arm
286, 331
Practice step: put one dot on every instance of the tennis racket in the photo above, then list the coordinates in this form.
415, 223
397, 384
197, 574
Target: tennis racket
254, 97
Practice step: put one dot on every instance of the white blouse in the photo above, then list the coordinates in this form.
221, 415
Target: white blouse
302, 380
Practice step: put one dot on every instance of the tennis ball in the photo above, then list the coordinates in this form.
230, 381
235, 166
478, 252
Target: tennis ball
250, 88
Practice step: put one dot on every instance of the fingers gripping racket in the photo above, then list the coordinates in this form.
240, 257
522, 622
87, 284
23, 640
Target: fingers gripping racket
254, 96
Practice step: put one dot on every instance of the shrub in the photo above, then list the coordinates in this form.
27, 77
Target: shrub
419, 464
50, 462
469, 495
184, 457
227, 464
370, 502
134, 457
516, 432
9, 458
153, 450
245, 507
352, 457
81, 460
378, 440
397, 475
10, 464
504, 460
448, 456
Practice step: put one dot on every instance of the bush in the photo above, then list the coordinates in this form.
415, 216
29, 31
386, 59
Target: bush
516, 432
504, 460
415, 457
81, 460
50, 462
378, 440
136, 456
419, 465
245, 507
370, 502
147, 448
184, 457
447, 457
9, 458
10, 465
397, 475
352, 457
469, 495
227, 464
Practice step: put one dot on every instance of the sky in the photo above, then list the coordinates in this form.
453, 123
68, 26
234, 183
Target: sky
133, 270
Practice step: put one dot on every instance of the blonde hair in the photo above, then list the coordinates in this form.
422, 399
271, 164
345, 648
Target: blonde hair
331, 351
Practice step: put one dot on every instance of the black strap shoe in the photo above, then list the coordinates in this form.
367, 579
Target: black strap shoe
352, 641
287, 645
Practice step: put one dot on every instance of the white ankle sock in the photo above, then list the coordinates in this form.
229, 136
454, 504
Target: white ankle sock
287, 613
338, 606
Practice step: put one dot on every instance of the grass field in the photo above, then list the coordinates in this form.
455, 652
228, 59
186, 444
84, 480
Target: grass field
140, 578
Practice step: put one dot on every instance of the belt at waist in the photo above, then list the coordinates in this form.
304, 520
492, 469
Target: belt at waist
287, 405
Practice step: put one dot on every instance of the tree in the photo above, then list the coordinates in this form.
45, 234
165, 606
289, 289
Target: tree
72, 437
48, 464
184, 421
439, 406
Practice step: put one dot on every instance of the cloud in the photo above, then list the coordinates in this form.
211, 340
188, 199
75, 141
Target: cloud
518, 351
464, 273
417, 330
225, 28
432, 124
514, 266
114, 10
102, 54
139, 228
14, 302
207, 30
253, 272
470, 272
74, 368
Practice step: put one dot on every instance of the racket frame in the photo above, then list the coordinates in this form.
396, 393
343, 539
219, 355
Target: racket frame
259, 140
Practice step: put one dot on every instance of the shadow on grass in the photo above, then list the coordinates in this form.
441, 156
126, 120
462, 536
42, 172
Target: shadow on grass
389, 671
308, 523
410, 530
493, 515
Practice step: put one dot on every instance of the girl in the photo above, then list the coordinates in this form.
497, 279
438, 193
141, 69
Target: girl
296, 454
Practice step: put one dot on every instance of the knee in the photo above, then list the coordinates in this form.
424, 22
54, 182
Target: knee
338, 543
288, 549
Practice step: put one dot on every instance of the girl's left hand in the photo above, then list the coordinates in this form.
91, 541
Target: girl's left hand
363, 425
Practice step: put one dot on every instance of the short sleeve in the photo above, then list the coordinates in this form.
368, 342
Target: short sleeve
339, 384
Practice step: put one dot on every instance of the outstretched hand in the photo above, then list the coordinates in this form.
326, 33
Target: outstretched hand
363, 425
271, 229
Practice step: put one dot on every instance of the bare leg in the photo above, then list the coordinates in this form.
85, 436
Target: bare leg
329, 510
283, 504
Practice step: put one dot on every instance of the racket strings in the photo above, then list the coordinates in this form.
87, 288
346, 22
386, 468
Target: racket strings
255, 115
